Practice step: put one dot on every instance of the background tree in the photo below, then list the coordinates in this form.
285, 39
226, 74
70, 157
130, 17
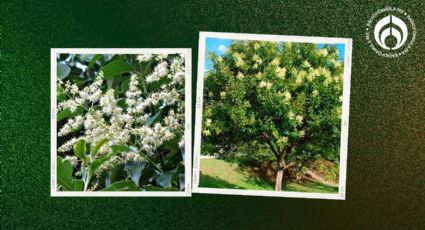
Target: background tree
286, 96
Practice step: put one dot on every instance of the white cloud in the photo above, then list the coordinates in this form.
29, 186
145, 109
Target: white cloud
222, 48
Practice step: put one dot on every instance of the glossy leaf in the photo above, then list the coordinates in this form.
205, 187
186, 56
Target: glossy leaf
164, 179
61, 94
62, 70
181, 180
153, 119
127, 185
116, 67
123, 148
135, 168
95, 59
64, 176
67, 114
99, 145
116, 149
80, 149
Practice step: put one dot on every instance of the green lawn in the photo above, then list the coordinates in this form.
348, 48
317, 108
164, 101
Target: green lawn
217, 173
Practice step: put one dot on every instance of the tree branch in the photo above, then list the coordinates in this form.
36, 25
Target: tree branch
289, 165
270, 144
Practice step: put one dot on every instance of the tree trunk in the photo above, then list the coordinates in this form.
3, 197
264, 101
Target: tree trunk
279, 177
279, 173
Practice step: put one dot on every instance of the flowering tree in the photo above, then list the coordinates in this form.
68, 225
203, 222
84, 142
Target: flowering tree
284, 97
120, 122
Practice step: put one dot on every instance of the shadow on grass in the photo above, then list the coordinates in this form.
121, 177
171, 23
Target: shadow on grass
248, 183
255, 178
215, 182
223, 174
308, 186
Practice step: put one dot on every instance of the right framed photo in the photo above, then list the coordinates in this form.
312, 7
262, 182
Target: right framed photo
272, 115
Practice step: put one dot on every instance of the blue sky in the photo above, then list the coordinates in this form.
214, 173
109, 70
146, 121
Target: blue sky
219, 46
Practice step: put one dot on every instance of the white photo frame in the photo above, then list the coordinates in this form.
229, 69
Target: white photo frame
344, 118
187, 192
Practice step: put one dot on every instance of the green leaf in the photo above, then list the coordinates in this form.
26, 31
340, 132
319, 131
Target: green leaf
61, 94
80, 149
125, 85
95, 59
116, 67
153, 119
164, 179
66, 113
156, 85
115, 150
155, 188
135, 168
127, 185
64, 176
172, 145
121, 102
62, 70
94, 165
123, 148
99, 145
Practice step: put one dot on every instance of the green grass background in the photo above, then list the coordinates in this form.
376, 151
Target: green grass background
386, 149
218, 173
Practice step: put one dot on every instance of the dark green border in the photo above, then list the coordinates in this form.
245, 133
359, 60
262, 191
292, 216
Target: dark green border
386, 151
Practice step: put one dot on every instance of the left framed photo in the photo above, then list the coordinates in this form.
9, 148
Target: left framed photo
120, 122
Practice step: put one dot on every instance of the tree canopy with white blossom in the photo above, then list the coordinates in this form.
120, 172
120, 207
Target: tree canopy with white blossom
284, 98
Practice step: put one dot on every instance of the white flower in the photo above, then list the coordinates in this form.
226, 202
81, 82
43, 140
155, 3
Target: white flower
266, 84
257, 59
287, 95
299, 118
256, 46
69, 104
206, 132
68, 145
144, 57
161, 57
160, 71
222, 94
281, 72
104, 119
71, 125
275, 62
132, 93
177, 65
73, 160
291, 115
208, 122
306, 64
300, 77
239, 59
178, 77
323, 52
181, 143
74, 89
109, 165
108, 102
131, 156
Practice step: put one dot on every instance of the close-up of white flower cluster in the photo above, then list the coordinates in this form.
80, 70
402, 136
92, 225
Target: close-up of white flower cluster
148, 119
